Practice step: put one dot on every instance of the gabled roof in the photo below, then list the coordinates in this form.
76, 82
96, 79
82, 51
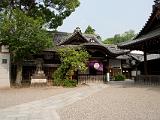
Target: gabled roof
76, 38
90, 41
63, 37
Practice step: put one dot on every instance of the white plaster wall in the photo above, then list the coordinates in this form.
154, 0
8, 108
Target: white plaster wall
133, 73
114, 63
4, 70
4, 49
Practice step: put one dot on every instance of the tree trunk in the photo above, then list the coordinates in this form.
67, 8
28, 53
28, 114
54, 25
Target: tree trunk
19, 74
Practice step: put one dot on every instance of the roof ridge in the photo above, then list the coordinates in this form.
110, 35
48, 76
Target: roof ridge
63, 32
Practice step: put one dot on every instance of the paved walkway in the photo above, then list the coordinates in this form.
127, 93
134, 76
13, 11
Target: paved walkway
119, 101
17, 96
46, 109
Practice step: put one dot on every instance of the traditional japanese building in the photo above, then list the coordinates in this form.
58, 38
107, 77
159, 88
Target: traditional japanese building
148, 41
103, 57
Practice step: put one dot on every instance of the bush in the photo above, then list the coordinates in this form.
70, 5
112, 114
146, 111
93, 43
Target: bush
72, 59
119, 77
69, 83
57, 82
57, 77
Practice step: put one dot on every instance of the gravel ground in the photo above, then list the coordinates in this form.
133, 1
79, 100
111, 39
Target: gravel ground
45, 109
120, 101
15, 96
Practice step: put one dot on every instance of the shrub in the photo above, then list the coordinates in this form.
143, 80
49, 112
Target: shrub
119, 77
72, 59
57, 82
57, 77
69, 83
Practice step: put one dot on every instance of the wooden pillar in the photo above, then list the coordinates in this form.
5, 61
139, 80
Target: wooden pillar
106, 69
145, 64
145, 67
107, 66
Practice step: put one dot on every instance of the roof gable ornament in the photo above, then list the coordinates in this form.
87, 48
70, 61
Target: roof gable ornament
77, 30
92, 40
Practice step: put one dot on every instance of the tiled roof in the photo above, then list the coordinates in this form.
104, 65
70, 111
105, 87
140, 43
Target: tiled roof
61, 37
139, 57
123, 57
114, 49
149, 57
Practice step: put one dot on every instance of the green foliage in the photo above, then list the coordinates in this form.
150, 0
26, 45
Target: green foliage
120, 38
89, 30
71, 60
23, 35
53, 12
65, 82
69, 83
119, 77
57, 81
59, 76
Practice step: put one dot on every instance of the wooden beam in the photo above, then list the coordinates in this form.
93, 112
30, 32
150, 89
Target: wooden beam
145, 63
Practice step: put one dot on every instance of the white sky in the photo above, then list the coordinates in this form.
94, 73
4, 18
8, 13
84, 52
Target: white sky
109, 17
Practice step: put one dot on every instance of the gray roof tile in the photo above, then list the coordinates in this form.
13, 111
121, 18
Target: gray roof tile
61, 37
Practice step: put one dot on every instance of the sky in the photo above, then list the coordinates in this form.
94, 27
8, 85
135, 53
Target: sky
109, 17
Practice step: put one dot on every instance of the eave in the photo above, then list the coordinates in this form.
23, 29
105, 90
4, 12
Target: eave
143, 42
105, 49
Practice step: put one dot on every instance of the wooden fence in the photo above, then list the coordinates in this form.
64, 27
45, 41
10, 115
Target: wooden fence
148, 79
87, 78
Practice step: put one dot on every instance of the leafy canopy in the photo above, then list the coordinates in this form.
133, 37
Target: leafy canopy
71, 60
24, 35
53, 12
89, 30
120, 38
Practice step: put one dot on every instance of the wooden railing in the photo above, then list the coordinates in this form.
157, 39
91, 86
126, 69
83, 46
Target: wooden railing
87, 78
148, 79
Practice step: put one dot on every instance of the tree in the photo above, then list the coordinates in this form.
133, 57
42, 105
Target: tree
71, 60
24, 37
89, 30
120, 38
53, 12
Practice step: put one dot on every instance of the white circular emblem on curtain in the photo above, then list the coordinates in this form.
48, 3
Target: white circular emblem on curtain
96, 66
